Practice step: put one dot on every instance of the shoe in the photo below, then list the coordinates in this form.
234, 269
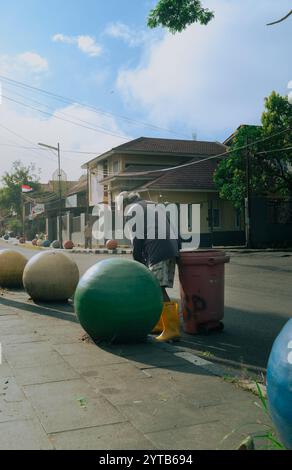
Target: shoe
170, 320
158, 329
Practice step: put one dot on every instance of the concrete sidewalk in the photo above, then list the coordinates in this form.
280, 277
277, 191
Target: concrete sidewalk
60, 392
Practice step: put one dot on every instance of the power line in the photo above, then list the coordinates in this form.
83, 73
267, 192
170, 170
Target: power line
212, 157
35, 149
45, 150
19, 136
93, 108
95, 129
67, 115
284, 149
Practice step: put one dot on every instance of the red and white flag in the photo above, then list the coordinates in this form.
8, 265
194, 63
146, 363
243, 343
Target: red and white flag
26, 189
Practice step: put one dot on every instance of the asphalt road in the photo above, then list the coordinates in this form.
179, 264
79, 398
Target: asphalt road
258, 299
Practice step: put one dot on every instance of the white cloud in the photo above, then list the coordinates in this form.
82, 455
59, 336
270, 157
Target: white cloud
63, 38
212, 78
35, 128
35, 61
86, 44
130, 36
23, 65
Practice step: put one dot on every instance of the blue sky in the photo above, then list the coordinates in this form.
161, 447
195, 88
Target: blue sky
206, 81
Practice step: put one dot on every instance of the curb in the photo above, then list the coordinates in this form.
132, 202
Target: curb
101, 251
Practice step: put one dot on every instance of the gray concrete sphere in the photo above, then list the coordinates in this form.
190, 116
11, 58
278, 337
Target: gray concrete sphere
12, 264
51, 277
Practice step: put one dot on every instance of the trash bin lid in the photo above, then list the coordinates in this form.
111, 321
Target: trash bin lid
202, 257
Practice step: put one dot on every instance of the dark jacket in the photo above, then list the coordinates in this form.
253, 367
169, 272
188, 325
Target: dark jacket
152, 251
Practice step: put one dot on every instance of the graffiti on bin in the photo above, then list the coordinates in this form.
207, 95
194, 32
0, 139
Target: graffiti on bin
198, 305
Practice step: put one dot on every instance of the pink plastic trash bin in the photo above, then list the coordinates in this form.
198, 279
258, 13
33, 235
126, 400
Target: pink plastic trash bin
201, 276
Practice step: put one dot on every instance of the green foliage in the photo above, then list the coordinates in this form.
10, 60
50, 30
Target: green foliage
270, 173
176, 15
15, 226
10, 193
267, 437
270, 435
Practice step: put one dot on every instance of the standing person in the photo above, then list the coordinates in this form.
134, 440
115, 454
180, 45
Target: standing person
159, 255
88, 235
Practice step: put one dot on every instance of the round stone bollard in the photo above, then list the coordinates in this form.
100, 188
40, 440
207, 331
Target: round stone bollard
118, 301
111, 245
12, 265
56, 245
50, 277
279, 384
68, 245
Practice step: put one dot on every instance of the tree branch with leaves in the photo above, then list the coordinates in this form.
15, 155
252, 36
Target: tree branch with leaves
271, 159
176, 15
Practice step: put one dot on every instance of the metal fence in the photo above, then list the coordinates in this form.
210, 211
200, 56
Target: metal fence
280, 212
64, 222
76, 224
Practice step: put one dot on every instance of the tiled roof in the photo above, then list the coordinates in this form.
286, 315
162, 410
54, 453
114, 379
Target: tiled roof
141, 168
198, 176
79, 186
172, 146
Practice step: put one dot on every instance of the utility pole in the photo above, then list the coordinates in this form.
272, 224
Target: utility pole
60, 198
87, 194
248, 211
57, 149
23, 215
211, 221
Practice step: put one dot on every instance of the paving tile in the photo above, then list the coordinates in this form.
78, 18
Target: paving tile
23, 435
69, 334
150, 416
215, 435
49, 373
85, 357
5, 370
33, 337
21, 329
6, 312
124, 383
71, 404
156, 359
208, 436
16, 410
30, 354
121, 436
10, 320
105, 375
198, 386
10, 391
156, 415
128, 350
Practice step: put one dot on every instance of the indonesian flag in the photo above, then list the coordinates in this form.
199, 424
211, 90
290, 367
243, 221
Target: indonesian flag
26, 189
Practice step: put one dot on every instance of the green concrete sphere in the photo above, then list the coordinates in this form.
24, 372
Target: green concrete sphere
50, 277
56, 245
118, 300
12, 265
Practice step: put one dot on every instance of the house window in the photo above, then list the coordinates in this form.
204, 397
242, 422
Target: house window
216, 218
105, 169
237, 219
116, 167
214, 215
